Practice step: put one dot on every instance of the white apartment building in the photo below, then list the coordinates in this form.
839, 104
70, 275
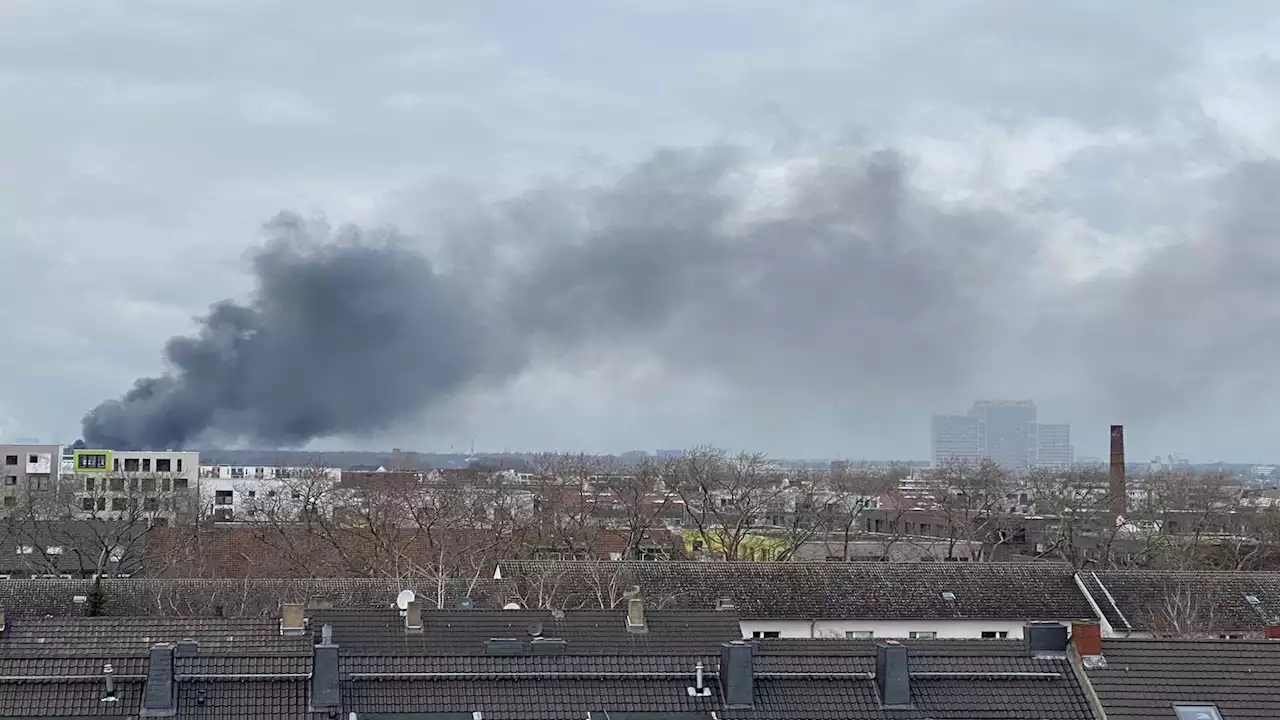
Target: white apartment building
130, 485
232, 493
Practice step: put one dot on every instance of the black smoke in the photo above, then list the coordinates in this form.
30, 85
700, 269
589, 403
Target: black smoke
342, 334
839, 278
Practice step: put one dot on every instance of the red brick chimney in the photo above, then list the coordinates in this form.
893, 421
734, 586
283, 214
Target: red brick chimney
1086, 636
1273, 631
1117, 490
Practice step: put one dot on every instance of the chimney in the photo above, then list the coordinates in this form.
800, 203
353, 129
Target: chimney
292, 619
159, 698
413, 617
1273, 630
1086, 636
186, 648
325, 687
737, 674
1045, 637
1117, 490
108, 677
4, 625
635, 616
893, 678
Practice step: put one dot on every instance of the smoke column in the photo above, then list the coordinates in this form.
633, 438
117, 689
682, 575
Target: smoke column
839, 276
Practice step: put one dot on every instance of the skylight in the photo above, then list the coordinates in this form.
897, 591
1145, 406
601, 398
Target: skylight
1197, 712
1252, 599
948, 595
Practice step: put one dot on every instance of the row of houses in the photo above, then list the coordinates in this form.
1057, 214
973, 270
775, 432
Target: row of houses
362, 650
772, 600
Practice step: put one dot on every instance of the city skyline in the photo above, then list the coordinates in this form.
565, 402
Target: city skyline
1006, 431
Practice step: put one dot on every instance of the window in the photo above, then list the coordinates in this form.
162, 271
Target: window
859, 634
146, 464
164, 484
131, 464
25, 549
53, 550
86, 504
42, 481
10, 459
1197, 712
765, 634
115, 465
88, 484
33, 459
164, 465
179, 483
10, 479
922, 635
148, 485
91, 461
117, 484
118, 504
994, 634
151, 504
222, 497
179, 464
10, 501
253, 494
102, 503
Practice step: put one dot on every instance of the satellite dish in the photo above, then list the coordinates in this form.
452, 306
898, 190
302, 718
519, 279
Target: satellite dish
511, 606
464, 603
404, 598
535, 629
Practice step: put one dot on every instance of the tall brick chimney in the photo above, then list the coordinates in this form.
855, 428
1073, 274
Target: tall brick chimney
1118, 492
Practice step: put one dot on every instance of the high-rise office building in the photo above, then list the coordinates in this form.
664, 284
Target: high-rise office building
1053, 446
1003, 430
1007, 431
955, 438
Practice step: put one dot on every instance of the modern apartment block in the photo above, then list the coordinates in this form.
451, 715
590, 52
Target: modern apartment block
233, 493
1003, 430
129, 485
26, 469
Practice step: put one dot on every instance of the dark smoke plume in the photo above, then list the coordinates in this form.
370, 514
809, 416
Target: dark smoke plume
343, 334
843, 279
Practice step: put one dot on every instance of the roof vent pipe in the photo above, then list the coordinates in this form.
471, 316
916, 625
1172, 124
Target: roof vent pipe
699, 689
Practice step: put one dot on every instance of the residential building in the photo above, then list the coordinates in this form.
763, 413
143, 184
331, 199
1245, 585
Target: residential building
26, 469
232, 493
1053, 446
955, 438
1179, 679
888, 600
1152, 603
129, 485
638, 663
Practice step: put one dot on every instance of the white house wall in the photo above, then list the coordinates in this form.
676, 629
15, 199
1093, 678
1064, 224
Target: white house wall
945, 629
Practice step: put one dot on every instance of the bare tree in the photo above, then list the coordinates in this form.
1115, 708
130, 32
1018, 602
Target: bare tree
970, 498
851, 491
724, 496
637, 499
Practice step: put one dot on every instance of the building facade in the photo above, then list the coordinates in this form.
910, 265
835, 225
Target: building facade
955, 438
233, 493
1053, 446
131, 485
26, 469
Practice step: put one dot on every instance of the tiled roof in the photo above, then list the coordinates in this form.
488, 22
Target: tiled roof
882, 591
1144, 599
109, 637
1144, 678
585, 632
260, 597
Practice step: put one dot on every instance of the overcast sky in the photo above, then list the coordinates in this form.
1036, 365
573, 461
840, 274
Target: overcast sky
1108, 171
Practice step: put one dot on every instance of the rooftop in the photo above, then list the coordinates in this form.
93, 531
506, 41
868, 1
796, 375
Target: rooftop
854, 590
